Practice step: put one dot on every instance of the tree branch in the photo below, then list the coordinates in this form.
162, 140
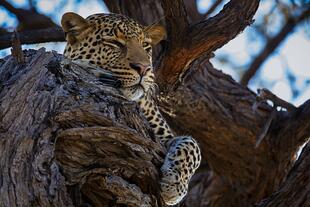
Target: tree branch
298, 180
192, 11
212, 8
16, 50
9, 7
3, 31
224, 123
265, 94
146, 12
175, 14
204, 38
54, 34
292, 130
272, 44
28, 19
227, 127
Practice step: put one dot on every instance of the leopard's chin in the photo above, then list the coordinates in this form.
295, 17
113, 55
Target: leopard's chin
133, 93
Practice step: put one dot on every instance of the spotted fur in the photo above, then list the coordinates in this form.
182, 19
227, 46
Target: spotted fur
121, 45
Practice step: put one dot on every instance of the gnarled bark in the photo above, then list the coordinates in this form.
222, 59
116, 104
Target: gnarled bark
68, 140
295, 190
196, 99
222, 115
227, 127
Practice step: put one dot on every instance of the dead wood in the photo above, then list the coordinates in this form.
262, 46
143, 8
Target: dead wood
68, 140
295, 190
219, 112
197, 99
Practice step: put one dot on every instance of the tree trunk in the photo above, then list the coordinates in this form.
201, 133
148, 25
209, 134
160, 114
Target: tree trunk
71, 141
227, 126
225, 117
87, 145
68, 140
295, 190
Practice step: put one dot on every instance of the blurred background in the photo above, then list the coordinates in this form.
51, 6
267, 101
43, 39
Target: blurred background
273, 53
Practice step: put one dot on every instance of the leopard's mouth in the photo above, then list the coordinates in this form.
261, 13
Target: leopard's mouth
134, 92
139, 87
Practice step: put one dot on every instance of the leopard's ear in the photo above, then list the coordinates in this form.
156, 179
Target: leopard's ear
156, 33
74, 26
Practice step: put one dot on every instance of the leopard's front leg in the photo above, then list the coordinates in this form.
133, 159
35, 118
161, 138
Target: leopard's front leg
182, 159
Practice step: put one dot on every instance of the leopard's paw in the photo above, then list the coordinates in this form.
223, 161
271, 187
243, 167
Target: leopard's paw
182, 160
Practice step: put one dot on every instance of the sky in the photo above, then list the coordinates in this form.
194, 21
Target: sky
291, 58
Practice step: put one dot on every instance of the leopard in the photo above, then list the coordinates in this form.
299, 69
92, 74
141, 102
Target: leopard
121, 45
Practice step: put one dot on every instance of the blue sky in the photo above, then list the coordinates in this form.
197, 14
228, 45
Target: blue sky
293, 56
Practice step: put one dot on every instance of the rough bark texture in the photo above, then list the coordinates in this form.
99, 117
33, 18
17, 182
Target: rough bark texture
227, 127
295, 190
67, 140
63, 136
187, 42
225, 117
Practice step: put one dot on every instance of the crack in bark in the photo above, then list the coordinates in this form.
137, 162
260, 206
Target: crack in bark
55, 144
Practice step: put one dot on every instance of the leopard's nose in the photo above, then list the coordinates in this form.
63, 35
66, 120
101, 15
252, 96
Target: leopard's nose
140, 68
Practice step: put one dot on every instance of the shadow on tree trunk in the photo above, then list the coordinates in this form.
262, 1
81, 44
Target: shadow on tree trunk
68, 140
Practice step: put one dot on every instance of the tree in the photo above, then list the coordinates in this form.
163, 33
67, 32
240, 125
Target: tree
71, 140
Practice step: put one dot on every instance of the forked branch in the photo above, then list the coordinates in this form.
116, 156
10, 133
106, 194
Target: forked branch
204, 38
28, 19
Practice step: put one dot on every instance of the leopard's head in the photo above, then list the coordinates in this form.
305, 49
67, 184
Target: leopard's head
116, 43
